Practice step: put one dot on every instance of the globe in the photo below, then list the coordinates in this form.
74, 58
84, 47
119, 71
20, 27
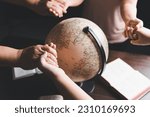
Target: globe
82, 48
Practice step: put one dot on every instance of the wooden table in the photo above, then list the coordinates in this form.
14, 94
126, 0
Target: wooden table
137, 61
36, 86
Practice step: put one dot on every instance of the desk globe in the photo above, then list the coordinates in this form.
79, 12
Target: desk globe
82, 48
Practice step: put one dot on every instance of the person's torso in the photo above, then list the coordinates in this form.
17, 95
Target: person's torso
106, 13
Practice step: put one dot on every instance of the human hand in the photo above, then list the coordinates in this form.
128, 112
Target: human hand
142, 37
29, 57
132, 26
58, 7
49, 66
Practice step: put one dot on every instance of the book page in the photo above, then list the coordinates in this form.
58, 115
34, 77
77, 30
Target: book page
19, 73
127, 81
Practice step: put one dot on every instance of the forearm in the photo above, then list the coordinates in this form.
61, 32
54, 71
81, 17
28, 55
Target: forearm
66, 86
8, 56
69, 89
128, 9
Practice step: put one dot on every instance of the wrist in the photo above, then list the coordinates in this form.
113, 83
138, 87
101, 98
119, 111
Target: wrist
61, 76
18, 58
60, 73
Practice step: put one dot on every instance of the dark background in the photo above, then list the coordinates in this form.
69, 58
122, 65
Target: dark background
144, 12
32, 88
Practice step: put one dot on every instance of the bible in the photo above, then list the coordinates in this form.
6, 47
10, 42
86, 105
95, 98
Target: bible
129, 82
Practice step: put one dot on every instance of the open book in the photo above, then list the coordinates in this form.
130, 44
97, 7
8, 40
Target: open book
19, 73
127, 81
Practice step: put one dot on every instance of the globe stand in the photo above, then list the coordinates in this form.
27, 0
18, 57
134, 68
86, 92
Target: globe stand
88, 86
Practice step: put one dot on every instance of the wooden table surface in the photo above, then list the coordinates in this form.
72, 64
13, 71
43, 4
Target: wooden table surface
36, 86
137, 61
